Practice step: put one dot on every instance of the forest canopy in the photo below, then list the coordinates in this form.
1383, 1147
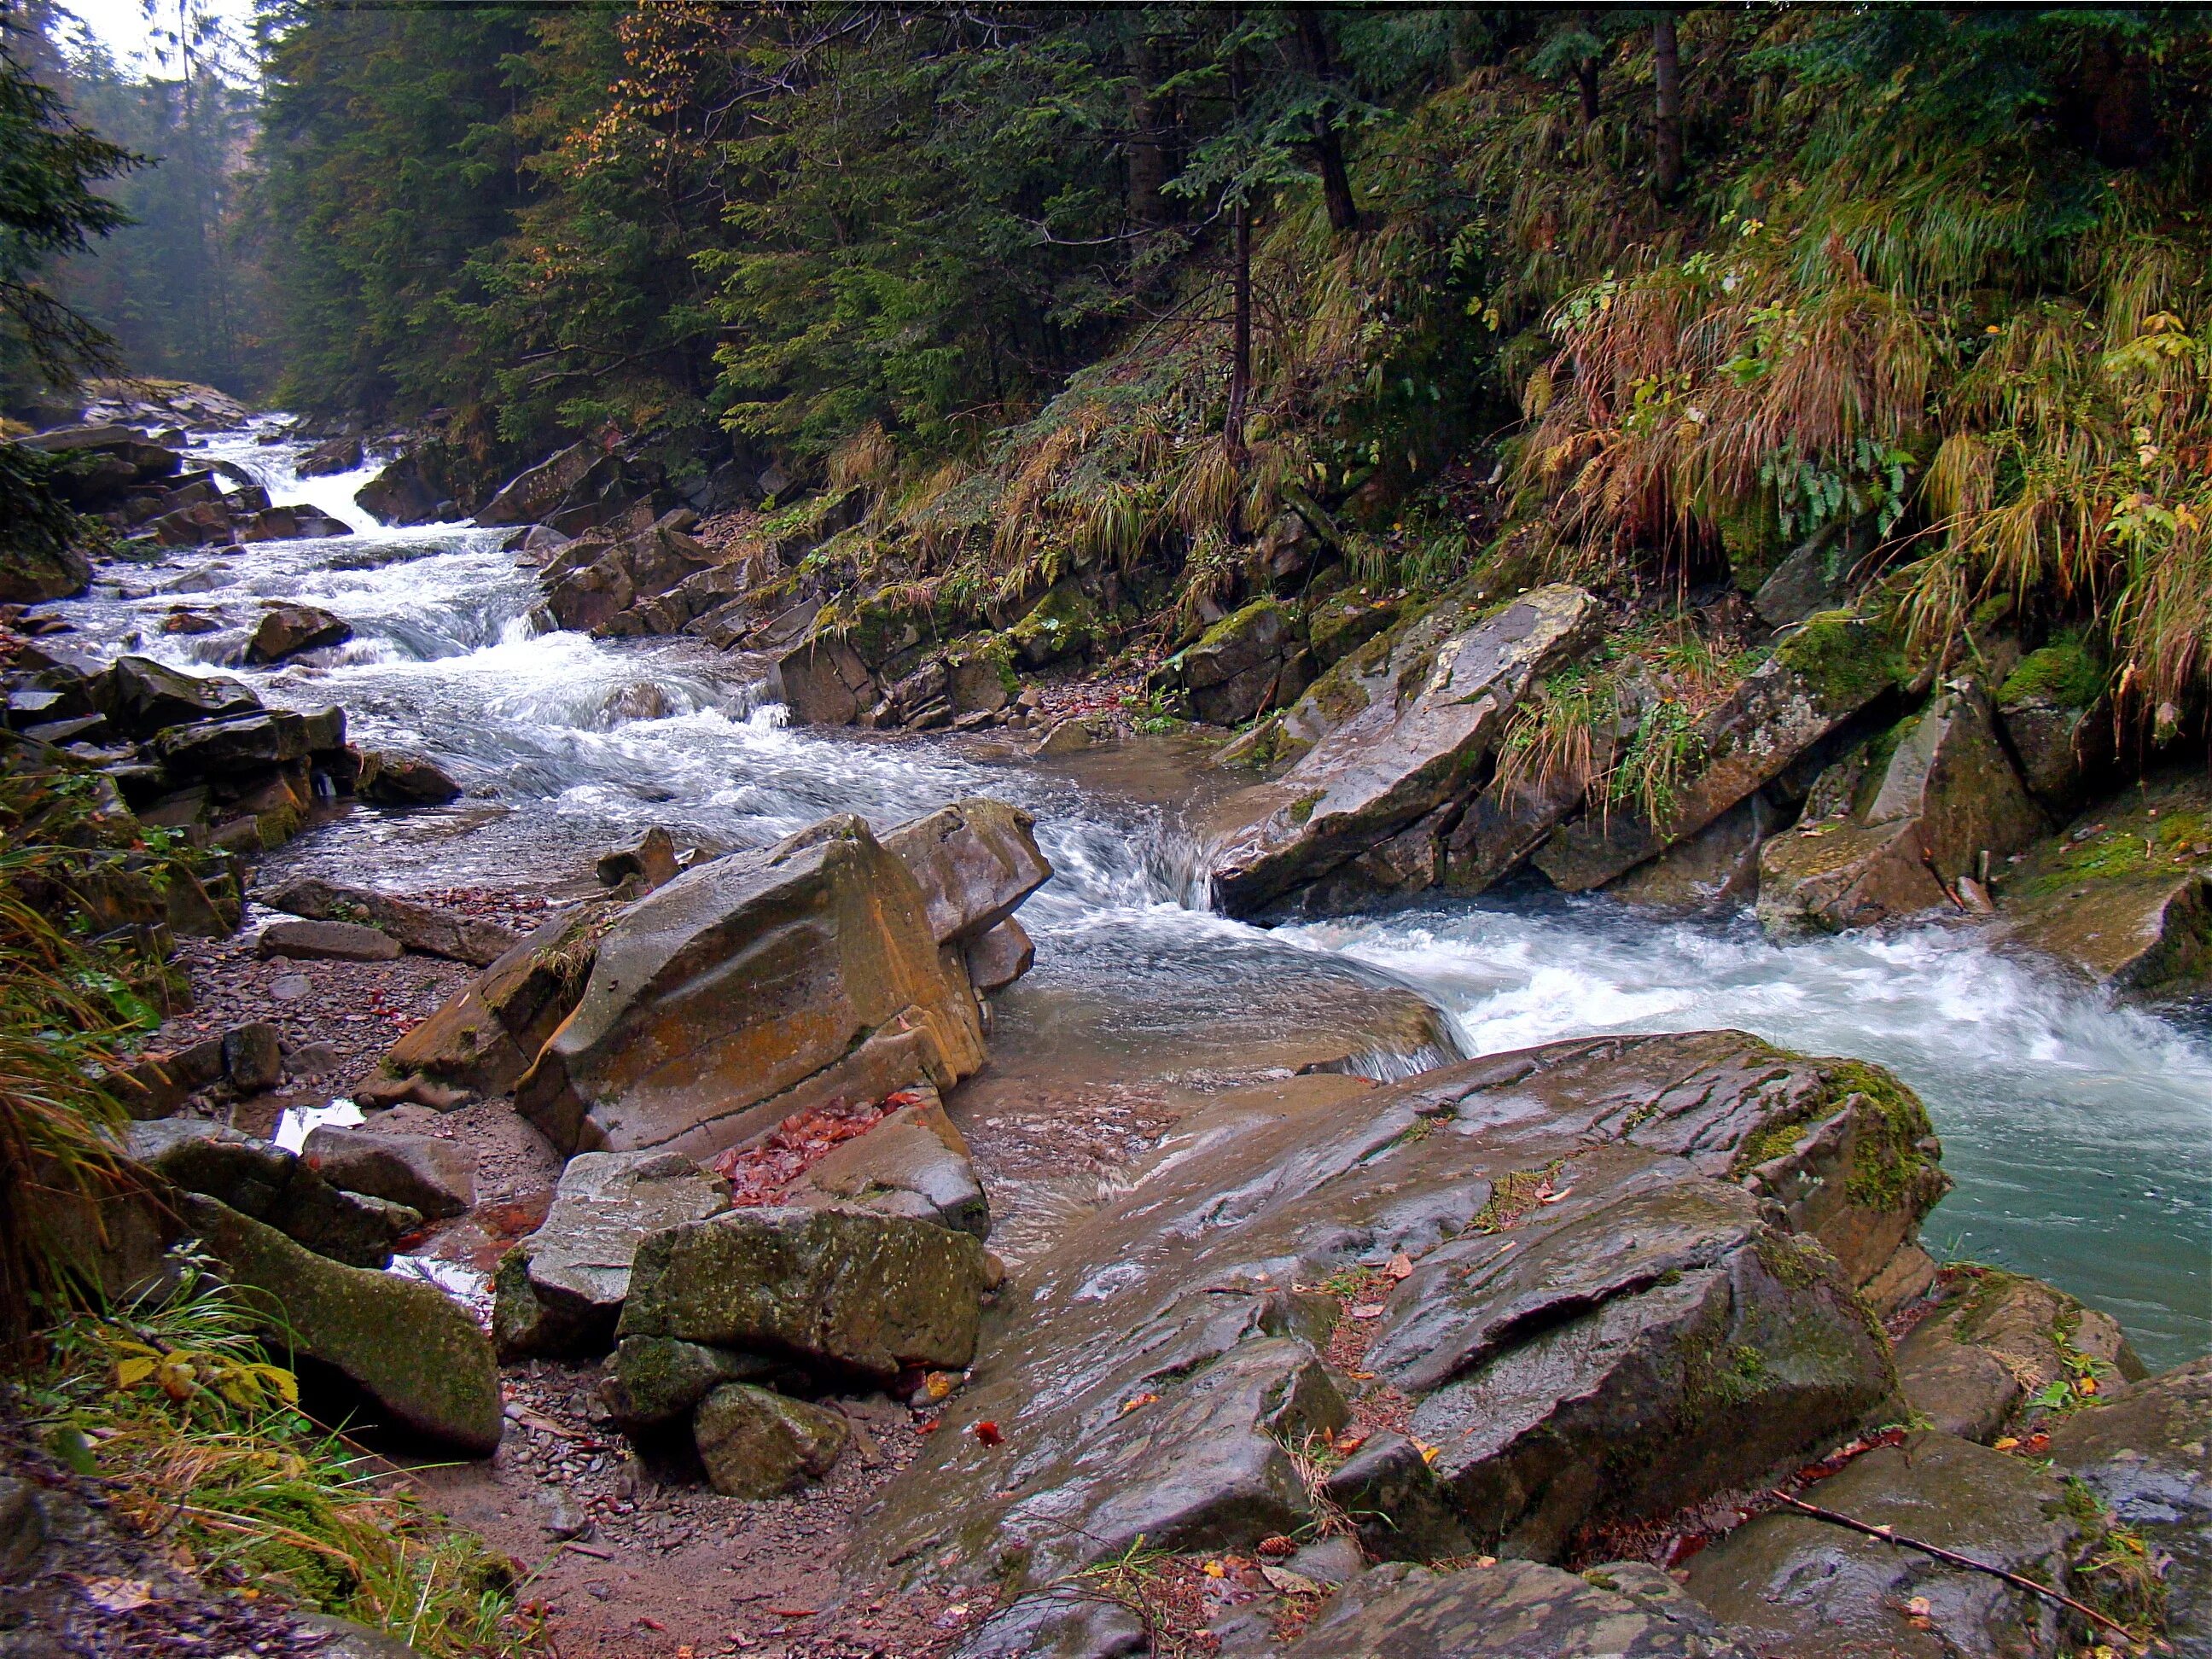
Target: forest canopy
1673, 290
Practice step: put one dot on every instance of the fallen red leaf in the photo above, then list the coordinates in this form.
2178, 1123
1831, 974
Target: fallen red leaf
988, 1433
650, 1624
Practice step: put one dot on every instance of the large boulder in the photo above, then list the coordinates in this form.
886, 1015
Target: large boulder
839, 1291
561, 1290
1792, 1587
270, 1185
604, 596
1250, 661
341, 455
2146, 1459
1934, 799
30, 577
537, 493
420, 1359
1835, 665
285, 630
2124, 896
401, 494
424, 928
1615, 1297
1431, 706
974, 862
401, 777
485, 1037
751, 987
2056, 720
1515, 1610
226, 748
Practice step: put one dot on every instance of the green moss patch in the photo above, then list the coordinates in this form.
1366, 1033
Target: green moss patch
1888, 1165
1845, 659
2064, 672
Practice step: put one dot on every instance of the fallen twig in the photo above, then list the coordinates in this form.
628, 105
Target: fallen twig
1952, 1557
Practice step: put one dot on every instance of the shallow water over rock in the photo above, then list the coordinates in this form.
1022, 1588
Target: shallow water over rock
2080, 1133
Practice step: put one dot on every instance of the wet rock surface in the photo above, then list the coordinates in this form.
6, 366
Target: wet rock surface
1169, 1352
435, 1178
430, 929
1994, 1341
1796, 1587
758, 1443
274, 1187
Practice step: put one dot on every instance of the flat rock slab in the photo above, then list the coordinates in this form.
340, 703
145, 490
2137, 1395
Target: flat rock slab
1653, 1334
1515, 1610
437, 1177
1070, 1622
417, 1356
561, 1290
749, 988
329, 941
836, 1289
423, 928
484, 1036
911, 1163
285, 630
2148, 1459
1794, 1588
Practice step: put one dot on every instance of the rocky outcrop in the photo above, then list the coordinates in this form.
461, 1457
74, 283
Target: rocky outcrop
974, 862
1563, 1263
1795, 1587
2057, 722
1833, 667
1250, 661
1934, 802
1406, 728
536, 493
270, 1185
427, 928
341, 455
561, 1291
1993, 1342
823, 682
839, 1292
2124, 896
401, 777
604, 588
420, 1361
403, 494
2145, 1459
749, 988
485, 1038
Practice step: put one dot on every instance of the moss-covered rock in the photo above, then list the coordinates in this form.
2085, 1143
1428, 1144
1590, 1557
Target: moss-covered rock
1065, 623
2124, 896
1251, 660
657, 1380
758, 1444
1995, 1341
417, 1356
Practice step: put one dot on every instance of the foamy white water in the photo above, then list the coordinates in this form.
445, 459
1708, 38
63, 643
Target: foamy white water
2080, 1133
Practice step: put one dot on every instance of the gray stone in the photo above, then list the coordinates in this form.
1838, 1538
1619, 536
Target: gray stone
913, 1163
655, 1381
417, 1356
751, 987
2146, 1458
140, 697
226, 748
1509, 1610
1815, 576
1993, 1339
832, 1288
758, 1444
822, 682
270, 1185
998, 956
1247, 662
561, 1290
341, 1638
437, 1177
1398, 758
285, 630
1794, 1588
253, 1057
399, 777
330, 941
974, 862
423, 928
1067, 1621
1394, 1499
1715, 868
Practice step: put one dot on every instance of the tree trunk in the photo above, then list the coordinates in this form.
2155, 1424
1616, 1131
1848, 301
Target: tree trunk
1586, 73
1328, 143
1148, 161
1666, 128
1240, 350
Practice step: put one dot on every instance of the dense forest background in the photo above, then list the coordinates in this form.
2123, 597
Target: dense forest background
1662, 291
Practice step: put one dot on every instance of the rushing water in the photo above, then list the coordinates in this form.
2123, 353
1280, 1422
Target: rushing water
2080, 1133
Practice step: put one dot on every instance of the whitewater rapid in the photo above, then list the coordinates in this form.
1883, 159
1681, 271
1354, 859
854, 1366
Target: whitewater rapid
2079, 1133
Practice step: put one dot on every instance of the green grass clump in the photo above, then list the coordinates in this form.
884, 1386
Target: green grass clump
172, 1402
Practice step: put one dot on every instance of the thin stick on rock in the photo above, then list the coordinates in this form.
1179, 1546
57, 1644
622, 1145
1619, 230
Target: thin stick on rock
1953, 1559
